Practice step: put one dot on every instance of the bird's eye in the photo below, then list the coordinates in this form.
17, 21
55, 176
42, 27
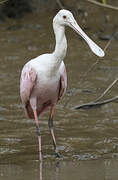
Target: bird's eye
64, 17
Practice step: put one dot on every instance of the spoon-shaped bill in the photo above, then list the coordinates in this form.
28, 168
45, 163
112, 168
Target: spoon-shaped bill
93, 46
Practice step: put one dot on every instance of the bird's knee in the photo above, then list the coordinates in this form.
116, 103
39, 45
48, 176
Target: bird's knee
38, 131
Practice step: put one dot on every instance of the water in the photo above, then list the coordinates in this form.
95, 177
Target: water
87, 139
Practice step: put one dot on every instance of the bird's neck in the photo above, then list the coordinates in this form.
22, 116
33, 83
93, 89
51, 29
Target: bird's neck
61, 43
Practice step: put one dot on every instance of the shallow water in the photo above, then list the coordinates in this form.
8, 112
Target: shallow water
87, 139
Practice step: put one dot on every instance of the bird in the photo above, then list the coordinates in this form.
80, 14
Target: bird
43, 79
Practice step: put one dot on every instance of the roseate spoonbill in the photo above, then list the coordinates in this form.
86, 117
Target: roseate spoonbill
43, 79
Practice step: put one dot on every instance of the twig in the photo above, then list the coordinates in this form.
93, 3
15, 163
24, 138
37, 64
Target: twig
94, 104
89, 70
103, 5
109, 42
60, 4
109, 87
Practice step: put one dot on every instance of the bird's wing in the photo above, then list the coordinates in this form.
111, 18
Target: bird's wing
63, 80
27, 82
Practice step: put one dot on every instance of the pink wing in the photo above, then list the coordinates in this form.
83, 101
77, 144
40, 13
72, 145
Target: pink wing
27, 82
63, 80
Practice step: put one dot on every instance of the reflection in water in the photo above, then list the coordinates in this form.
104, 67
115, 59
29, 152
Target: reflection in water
57, 171
86, 139
65, 170
57, 167
41, 168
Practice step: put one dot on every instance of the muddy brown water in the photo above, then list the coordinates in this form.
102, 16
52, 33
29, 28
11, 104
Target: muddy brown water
87, 139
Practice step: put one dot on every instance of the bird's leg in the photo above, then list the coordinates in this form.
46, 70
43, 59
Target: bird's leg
50, 124
39, 133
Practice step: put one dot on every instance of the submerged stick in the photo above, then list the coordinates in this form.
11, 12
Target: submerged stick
109, 87
95, 104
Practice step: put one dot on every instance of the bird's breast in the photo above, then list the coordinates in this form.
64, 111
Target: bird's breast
48, 78
46, 89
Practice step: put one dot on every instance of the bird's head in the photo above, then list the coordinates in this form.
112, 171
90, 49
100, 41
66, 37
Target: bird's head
66, 18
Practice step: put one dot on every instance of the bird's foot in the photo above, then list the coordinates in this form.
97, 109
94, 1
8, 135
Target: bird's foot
57, 154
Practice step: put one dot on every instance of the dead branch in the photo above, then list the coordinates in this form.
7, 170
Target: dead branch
95, 104
109, 87
103, 5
